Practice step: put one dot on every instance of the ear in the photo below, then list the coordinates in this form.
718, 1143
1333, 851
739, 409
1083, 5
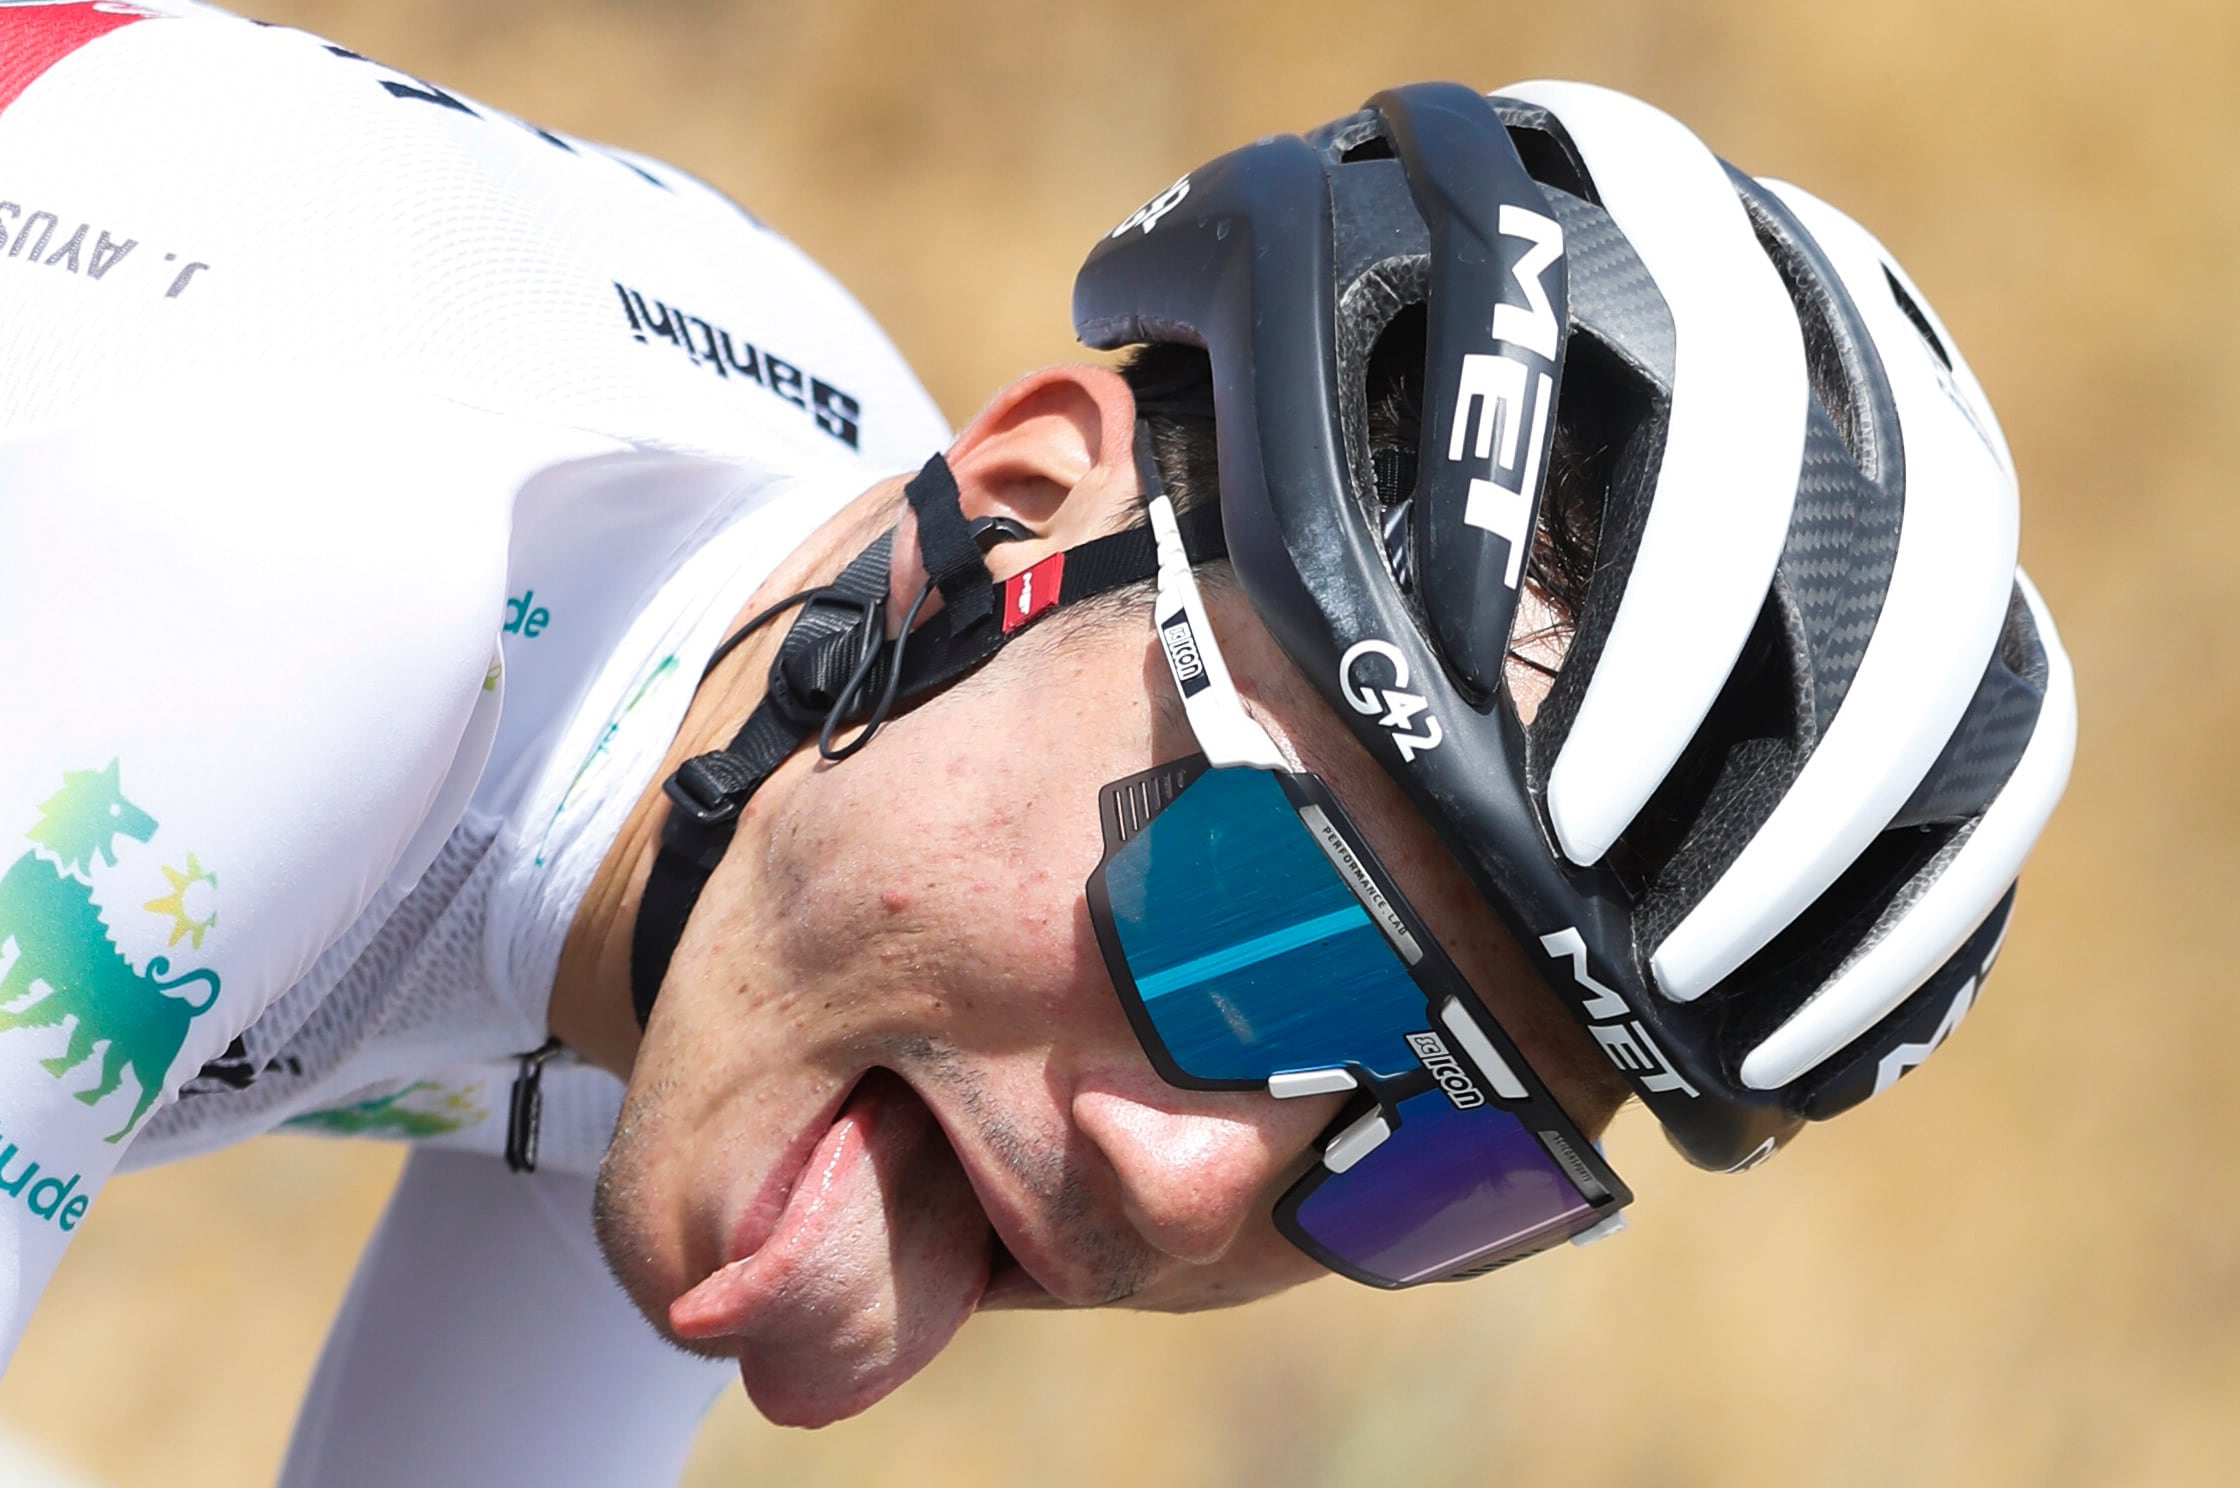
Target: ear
1054, 452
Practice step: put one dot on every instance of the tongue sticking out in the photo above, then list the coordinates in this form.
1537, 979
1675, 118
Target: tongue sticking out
878, 1259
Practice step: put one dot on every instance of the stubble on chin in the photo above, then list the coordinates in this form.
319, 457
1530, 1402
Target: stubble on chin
621, 1209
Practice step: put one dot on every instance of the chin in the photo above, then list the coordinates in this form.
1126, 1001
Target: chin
629, 1242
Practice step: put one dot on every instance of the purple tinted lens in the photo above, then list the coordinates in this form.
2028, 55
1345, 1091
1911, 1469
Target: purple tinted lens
1448, 1190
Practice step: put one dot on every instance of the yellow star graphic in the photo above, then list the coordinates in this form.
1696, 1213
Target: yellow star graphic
174, 904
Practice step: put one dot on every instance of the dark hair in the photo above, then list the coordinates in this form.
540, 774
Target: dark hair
1173, 387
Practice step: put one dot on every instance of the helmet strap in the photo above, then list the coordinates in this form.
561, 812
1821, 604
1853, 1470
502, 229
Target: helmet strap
837, 655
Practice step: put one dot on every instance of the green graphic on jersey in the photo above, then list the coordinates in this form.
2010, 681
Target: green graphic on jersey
662, 670
61, 943
175, 903
393, 1116
86, 817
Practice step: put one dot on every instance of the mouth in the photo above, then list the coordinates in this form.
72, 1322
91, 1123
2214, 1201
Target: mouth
855, 1263
1011, 1287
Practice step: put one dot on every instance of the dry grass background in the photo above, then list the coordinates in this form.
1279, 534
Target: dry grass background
2021, 1269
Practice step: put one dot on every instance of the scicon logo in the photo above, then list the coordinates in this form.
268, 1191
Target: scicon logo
1182, 655
1147, 216
1453, 1079
1401, 708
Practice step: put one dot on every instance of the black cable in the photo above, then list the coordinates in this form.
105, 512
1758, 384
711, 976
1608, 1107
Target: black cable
758, 622
878, 718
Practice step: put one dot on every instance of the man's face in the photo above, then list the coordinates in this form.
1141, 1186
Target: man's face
889, 1081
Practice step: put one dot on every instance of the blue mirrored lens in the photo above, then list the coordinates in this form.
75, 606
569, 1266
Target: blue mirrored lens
1446, 1191
1249, 953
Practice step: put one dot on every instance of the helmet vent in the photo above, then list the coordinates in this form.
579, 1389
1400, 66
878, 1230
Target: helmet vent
1547, 162
1395, 469
1920, 321
1733, 772
1830, 355
1375, 147
1890, 872
1547, 152
1392, 406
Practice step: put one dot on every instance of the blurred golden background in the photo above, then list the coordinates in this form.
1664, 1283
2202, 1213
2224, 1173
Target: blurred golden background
2022, 1268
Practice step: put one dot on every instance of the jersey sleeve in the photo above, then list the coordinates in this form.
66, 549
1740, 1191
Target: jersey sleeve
248, 655
487, 1285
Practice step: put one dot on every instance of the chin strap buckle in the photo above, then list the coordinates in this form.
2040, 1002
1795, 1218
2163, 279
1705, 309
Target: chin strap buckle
710, 790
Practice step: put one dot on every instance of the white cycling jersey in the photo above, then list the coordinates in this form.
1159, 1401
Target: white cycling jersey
376, 473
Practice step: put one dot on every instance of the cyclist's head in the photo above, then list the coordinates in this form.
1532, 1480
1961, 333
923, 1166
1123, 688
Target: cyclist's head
1762, 833
904, 938
1616, 675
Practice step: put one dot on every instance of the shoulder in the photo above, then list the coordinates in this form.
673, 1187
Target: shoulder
283, 627
174, 185
246, 650
249, 486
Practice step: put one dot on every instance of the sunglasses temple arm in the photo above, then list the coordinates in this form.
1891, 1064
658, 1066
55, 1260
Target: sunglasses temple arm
1227, 734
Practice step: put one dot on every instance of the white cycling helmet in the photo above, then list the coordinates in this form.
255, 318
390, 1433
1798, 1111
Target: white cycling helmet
1762, 833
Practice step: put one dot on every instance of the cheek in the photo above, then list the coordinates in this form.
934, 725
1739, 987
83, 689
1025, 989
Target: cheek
948, 858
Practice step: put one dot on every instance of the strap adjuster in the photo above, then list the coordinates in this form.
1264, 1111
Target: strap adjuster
711, 789
833, 656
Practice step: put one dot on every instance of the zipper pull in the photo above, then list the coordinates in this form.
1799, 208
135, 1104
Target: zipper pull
527, 1108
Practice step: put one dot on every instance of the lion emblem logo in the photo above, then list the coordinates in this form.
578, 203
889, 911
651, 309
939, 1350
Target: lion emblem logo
60, 964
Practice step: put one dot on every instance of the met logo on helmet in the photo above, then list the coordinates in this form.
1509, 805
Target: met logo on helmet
1400, 707
1490, 395
1623, 1037
1895, 1063
1147, 216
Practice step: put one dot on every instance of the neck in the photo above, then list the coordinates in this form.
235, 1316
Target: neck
591, 1009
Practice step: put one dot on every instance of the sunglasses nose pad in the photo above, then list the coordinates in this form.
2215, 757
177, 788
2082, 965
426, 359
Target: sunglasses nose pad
1357, 1141
1292, 1084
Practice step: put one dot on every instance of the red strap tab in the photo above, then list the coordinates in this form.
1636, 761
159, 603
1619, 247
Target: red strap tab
1028, 594
35, 37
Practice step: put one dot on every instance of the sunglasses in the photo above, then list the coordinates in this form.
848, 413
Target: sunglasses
1257, 943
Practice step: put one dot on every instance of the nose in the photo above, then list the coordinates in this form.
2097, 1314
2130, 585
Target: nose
1194, 1166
